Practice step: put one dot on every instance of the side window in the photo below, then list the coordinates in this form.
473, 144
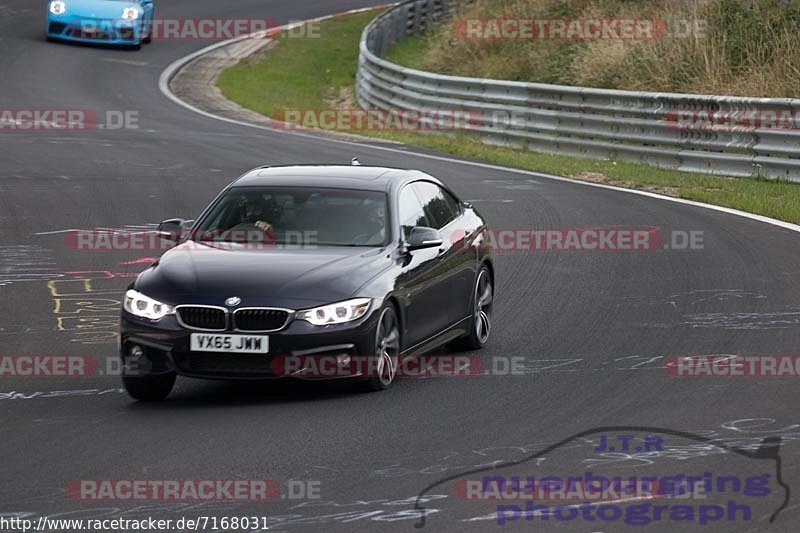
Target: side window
410, 211
439, 205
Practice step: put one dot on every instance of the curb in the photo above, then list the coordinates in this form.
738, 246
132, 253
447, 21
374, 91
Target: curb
191, 81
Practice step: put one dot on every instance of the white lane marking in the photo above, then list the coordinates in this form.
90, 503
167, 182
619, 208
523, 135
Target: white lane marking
127, 62
172, 68
56, 232
477, 200
128, 228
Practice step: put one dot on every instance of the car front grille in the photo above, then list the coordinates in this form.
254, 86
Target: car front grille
225, 364
94, 35
260, 319
203, 318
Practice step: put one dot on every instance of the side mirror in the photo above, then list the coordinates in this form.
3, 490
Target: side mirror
172, 229
422, 237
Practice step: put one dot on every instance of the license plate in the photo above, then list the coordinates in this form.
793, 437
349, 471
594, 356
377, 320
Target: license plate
205, 342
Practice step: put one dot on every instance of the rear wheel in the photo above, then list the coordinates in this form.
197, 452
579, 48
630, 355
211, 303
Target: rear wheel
152, 388
387, 350
480, 324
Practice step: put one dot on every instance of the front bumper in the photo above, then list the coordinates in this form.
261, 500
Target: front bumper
166, 347
73, 27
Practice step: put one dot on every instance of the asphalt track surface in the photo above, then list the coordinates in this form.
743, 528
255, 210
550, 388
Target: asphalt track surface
593, 328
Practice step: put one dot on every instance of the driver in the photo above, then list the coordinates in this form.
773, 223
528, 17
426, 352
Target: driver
254, 213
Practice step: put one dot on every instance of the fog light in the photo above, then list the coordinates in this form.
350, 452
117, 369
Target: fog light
136, 351
343, 360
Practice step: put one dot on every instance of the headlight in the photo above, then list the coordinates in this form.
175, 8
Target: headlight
336, 313
143, 306
130, 13
57, 7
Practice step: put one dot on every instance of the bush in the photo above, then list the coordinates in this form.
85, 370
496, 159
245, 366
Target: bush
747, 48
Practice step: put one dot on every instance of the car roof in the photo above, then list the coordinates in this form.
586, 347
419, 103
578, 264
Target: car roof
333, 176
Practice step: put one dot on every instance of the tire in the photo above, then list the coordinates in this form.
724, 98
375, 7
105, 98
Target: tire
480, 324
152, 388
149, 38
387, 348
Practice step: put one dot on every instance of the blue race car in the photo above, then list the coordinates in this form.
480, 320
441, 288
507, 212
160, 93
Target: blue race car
115, 22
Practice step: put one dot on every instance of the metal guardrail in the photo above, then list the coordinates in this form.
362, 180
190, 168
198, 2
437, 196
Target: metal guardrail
599, 123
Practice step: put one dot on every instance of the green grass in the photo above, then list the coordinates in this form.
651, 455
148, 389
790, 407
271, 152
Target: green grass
410, 51
299, 73
320, 74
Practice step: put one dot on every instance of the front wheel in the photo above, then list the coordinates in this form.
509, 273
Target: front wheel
387, 350
152, 388
480, 323
147, 39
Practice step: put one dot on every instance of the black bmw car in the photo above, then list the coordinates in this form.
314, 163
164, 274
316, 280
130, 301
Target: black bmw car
309, 261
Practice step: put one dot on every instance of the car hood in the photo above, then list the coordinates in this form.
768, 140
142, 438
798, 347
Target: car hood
294, 279
102, 9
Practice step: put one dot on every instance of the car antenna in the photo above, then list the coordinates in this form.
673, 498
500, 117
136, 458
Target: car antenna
355, 162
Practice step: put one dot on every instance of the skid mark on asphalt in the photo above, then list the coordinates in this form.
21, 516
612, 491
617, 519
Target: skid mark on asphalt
744, 434
23, 262
731, 309
698, 296
38, 395
554, 366
21, 329
745, 321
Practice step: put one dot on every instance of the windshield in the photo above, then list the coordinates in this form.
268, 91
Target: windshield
297, 216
